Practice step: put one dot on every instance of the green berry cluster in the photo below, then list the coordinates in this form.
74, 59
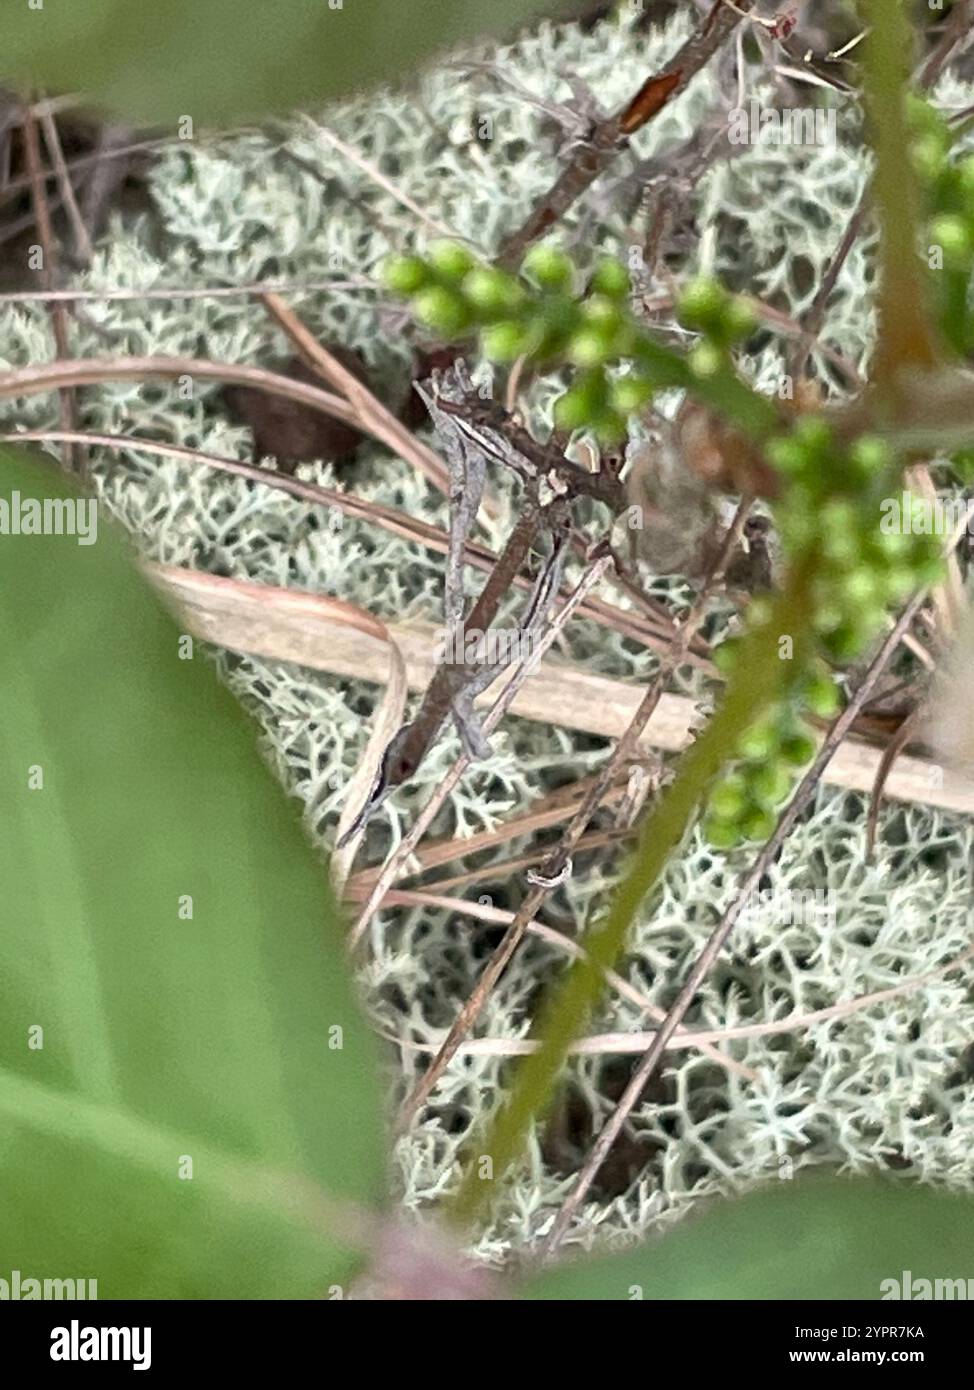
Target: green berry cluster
722, 319
744, 804
830, 519
542, 314
948, 189
832, 509
829, 516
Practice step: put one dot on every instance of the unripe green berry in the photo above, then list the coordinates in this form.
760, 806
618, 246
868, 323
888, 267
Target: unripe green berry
630, 393
797, 749
814, 436
861, 588
847, 640
898, 582
602, 312
925, 119
492, 291
721, 834
841, 548
451, 260
706, 360
870, 456
582, 402
769, 784
759, 825
929, 156
405, 274
822, 697
442, 310
589, 347
953, 234
571, 411
827, 616
890, 545
758, 742
610, 427
549, 268
504, 341
610, 277
702, 304
788, 456
729, 799
739, 320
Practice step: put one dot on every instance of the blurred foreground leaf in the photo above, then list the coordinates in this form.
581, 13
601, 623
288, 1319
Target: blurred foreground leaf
221, 60
814, 1240
227, 1043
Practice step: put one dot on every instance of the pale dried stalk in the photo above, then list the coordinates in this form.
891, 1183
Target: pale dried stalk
287, 625
626, 1044
638, 626
404, 897
371, 413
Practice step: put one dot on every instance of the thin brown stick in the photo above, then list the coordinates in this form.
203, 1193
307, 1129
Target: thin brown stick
558, 863
397, 523
58, 315
550, 810
955, 31
82, 241
425, 818
625, 1044
371, 413
379, 178
815, 317
417, 897
647, 1065
360, 282
890, 753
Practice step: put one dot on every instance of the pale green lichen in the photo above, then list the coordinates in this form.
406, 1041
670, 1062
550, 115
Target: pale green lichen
888, 1086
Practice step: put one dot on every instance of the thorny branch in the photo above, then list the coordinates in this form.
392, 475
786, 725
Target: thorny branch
608, 138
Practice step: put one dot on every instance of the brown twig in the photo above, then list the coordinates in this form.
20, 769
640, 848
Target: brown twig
82, 241
485, 912
815, 316
625, 1044
609, 138
359, 282
425, 818
58, 314
955, 30
891, 752
558, 863
648, 1063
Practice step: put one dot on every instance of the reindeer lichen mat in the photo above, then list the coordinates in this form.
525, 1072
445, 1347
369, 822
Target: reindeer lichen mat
834, 1030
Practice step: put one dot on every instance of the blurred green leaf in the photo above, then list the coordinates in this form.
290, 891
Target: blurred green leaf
231, 1038
821, 1239
222, 60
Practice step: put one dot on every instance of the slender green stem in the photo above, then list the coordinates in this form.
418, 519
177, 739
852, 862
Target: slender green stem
904, 323
748, 695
